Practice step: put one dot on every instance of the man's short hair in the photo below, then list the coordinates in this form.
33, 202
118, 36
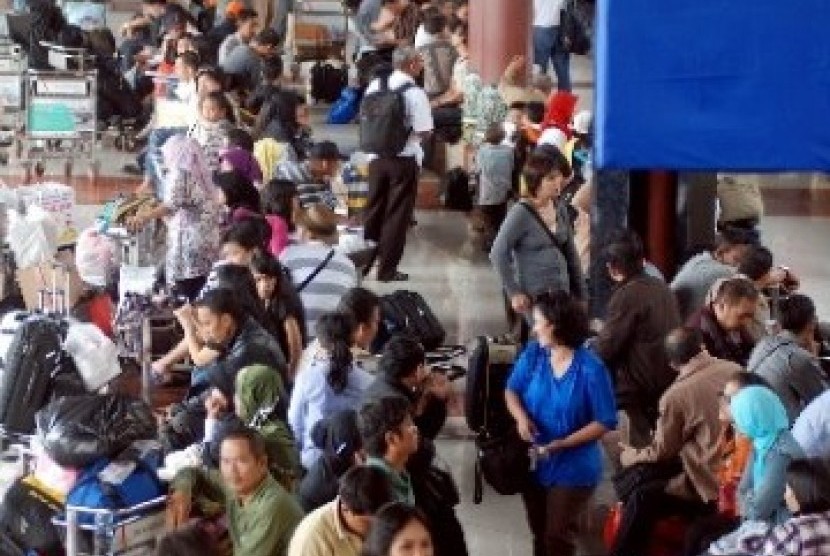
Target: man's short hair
268, 38
246, 14
403, 55
376, 419
360, 303
365, 489
255, 441
401, 357
434, 22
755, 263
625, 253
535, 111
734, 290
221, 301
683, 344
796, 312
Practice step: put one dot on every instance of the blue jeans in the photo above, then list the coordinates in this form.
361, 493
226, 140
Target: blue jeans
546, 48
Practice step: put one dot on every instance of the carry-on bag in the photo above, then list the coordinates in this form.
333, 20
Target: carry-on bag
26, 518
406, 312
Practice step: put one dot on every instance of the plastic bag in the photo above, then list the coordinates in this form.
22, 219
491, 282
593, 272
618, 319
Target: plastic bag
95, 355
32, 236
345, 109
77, 430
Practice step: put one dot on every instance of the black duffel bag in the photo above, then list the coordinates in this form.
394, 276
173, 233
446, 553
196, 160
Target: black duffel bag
77, 430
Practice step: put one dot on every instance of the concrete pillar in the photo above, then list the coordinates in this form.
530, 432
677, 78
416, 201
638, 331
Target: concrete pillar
696, 199
609, 214
499, 30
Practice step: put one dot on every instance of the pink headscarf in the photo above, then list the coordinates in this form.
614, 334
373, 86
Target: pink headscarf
181, 152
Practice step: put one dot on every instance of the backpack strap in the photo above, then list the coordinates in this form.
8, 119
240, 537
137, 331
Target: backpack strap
304, 284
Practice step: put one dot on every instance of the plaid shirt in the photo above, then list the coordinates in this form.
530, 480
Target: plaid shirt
807, 535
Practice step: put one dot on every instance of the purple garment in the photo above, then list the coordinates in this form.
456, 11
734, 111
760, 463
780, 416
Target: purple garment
242, 162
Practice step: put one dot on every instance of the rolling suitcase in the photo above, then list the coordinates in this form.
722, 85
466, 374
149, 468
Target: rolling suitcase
489, 366
406, 312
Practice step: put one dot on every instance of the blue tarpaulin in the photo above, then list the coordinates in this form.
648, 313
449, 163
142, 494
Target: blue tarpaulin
738, 85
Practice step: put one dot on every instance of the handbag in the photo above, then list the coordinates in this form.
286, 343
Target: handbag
503, 461
573, 35
435, 490
631, 479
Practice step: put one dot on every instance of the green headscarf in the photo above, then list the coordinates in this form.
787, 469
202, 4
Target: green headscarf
261, 403
760, 416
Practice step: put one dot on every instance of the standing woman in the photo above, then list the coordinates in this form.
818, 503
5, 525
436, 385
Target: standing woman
534, 249
194, 216
562, 400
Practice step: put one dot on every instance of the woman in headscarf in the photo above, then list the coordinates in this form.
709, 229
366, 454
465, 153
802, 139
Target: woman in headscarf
758, 414
242, 162
260, 402
193, 216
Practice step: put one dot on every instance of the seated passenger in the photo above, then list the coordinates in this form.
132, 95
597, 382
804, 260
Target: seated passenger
402, 372
723, 322
688, 430
783, 359
313, 177
260, 403
246, 28
339, 527
339, 440
390, 437
332, 383
261, 515
240, 342
812, 428
321, 274
808, 499
284, 316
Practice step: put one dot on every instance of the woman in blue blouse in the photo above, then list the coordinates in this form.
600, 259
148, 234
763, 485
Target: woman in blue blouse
562, 400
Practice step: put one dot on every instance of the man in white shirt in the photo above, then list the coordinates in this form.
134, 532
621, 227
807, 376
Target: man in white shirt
247, 25
393, 180
546, 46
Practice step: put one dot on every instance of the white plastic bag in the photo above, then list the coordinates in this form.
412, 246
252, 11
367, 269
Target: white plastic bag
95, 355
33, 237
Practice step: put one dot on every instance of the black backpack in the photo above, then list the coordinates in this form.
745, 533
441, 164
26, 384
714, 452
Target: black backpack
457, 194
327, 82
383, 129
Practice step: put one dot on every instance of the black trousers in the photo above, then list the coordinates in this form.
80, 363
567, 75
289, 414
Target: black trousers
393, 187
644, 508
704, 532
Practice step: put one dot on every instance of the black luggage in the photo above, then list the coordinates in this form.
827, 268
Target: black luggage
488, 369
327, 81
37, 370
26, 519
406, 312
457, 193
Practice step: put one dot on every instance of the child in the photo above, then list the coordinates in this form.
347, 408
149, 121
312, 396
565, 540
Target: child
284, 317
211, 129
187, 65
494, 162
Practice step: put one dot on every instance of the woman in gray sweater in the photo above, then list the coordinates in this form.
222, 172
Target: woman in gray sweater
534, 250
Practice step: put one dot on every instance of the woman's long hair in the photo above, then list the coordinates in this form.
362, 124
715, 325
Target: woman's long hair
388, 524
238, 278
335, 330
239, 191
285, 299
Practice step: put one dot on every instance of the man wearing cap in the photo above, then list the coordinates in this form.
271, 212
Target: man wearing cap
245, 61
313, 176
321, 274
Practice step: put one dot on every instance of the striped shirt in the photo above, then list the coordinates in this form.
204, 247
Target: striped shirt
804, 535
323, 293
309, 189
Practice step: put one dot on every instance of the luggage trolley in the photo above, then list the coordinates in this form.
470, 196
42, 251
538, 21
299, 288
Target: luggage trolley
315, 38
12, 69
61, 111
132, 531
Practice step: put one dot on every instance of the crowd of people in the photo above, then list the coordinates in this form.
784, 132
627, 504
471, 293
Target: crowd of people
708, 394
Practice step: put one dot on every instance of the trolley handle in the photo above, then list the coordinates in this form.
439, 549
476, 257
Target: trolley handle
148, 505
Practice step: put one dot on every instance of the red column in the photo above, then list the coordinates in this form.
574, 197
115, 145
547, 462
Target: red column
662, 219
499, 30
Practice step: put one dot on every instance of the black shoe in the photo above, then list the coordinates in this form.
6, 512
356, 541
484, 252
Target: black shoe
395, 277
